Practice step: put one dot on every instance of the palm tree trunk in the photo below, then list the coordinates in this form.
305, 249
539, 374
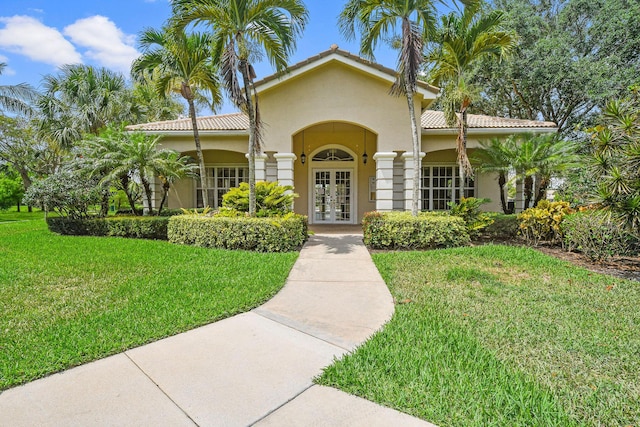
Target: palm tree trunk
528, 191
124, 182
147, 192
253, 126
461, 145
542, 188
165, 194
502, 180
187, 94
415, 195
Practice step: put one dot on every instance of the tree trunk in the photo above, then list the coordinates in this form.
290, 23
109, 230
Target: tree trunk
415, 195
165, 194
124, 182
148, 194
26, 183
542, 188
528, 191
18, 206
502, 180
253, 126
461, 146
187, 94
104, 204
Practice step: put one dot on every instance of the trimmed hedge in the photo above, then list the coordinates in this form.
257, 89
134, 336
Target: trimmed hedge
401, 230
276, 234
504, 227
137, 227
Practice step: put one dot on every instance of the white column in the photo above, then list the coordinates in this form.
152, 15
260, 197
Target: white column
408, 179
285, 167
384, 180
261, 172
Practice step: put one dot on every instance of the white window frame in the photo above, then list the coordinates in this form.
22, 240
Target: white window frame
213, 176
427, 191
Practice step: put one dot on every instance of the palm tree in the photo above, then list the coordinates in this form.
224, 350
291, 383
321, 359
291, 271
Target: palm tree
16, 98
537, 158
378, 19
183, 63
241, 31
174, 168
81, 99
496, 156
463, 41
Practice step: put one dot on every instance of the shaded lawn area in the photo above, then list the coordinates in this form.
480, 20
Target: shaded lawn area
69, 300
500, 335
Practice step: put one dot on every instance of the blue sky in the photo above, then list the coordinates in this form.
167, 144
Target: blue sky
37, 36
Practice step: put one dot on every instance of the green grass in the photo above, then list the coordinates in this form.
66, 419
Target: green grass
498, 335
69, 300
12, 214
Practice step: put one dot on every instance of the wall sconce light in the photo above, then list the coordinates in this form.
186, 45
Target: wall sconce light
365, 157
303, 157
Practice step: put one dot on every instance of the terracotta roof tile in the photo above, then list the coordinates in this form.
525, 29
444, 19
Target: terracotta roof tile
435, 120
223, 122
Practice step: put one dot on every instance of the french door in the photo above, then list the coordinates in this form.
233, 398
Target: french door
332, 196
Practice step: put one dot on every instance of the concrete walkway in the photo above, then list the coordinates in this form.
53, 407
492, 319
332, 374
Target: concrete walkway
252, 369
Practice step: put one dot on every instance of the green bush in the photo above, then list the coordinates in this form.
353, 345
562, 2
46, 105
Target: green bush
271, 199
401, 230
598, 236
137, 227
469, 210
275, 234
542, 223
503, 227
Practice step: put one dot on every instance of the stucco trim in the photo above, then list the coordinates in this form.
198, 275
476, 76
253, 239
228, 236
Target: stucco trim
429, 92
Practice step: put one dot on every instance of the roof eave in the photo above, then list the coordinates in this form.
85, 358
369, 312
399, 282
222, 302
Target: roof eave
200, 132
490, 131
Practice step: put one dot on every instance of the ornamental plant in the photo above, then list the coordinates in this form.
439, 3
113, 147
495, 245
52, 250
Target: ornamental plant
271, 199
542, 223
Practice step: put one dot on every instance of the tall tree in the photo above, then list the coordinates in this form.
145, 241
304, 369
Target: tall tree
377, 20
16, 98
573, 56
464, 40
81, 99
242, 30
182, 63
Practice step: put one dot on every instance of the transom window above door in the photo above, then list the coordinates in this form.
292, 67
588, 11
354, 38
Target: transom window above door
333, 155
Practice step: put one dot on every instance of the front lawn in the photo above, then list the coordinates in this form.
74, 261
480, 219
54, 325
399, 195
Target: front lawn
69, 300
499, 335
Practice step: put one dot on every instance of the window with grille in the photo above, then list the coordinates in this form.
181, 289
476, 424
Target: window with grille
441, 185
220, 179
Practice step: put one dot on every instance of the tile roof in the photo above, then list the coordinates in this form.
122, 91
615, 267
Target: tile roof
435, 120
223, 122
431, 120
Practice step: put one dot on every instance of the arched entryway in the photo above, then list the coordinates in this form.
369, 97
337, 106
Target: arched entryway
334, 172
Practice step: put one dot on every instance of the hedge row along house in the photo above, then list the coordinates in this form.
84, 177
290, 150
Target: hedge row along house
333, 132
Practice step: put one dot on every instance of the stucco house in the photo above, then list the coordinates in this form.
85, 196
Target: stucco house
332, 131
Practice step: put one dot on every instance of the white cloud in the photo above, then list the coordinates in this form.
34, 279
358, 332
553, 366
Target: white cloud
105, 42
29, 37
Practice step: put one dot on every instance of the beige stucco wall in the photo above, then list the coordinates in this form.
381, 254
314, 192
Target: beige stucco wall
208, 141
335, 92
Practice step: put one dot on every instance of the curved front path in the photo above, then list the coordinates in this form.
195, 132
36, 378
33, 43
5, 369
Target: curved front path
252, 369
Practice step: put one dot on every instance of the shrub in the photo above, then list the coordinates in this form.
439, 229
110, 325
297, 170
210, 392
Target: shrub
469, 210
542, 223
503, 227
66, 192
401, 230
276, 234
598, 236
133, 227
271, 199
